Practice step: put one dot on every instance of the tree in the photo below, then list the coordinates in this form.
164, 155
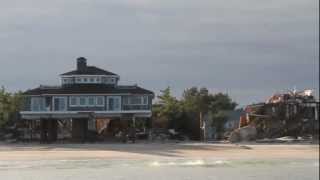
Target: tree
10, 104
219, 104
187, 114
198, 102
168, 108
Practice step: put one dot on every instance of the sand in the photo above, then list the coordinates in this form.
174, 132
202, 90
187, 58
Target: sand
145, 151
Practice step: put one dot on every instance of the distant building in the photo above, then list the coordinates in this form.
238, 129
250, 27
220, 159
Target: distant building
231, 123
85, 95
291, 113
233, 118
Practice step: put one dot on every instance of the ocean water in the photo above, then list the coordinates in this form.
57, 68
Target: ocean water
162, 169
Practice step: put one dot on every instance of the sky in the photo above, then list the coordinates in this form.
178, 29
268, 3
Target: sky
249, 49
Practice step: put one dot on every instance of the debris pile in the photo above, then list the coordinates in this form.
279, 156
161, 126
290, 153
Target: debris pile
292, 113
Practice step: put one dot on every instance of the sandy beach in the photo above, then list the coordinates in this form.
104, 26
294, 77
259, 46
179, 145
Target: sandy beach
168, 161
157, 151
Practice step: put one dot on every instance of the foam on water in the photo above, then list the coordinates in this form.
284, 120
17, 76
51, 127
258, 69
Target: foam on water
188, 163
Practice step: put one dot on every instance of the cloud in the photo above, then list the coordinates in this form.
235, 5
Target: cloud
244, 46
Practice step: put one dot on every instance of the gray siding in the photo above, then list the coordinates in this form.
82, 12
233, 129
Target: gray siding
86, 109
49, 100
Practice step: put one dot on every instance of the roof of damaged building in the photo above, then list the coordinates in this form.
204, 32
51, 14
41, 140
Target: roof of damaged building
87, 89
292, 96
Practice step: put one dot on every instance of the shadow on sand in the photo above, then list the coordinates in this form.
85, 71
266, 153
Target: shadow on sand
159, 149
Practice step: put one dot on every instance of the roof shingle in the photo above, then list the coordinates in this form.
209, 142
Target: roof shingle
89, 70
88, 89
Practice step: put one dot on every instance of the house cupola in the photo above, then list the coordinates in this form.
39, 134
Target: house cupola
81, 64
85, 74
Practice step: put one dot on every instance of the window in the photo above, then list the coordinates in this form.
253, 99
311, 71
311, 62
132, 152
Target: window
37, 104
100, 101
78, 79
136, 100
104, 80
59, 103
85, 79
73, 101
82, 101
145, 99
87, 101
91, 101
98, 79
91, 80
114, 103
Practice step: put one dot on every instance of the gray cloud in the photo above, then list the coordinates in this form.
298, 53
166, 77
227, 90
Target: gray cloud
247, 48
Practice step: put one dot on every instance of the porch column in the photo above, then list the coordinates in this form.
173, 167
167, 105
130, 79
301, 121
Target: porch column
149, 123
43, 131
134, 122
52, 130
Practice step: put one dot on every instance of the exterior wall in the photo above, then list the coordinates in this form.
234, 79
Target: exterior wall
86, 108
26, 104
49, 103
86, 79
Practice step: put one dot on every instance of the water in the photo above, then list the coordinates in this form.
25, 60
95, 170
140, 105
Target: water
160, 169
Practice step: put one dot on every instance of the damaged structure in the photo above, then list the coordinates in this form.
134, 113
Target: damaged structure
285, 114
88, 103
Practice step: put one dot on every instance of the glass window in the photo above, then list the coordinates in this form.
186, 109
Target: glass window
78, 79
37, 104
73, 101
91, 101
111, 104
59, 104
85, 79
100, 100
104, 79
98, 79
145, 99
126, 100
135, 100
82, 101
92, 80
114, 103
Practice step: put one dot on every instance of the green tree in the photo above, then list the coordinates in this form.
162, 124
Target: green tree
168, 108
187, 114
10, 104
198, 102
220, 103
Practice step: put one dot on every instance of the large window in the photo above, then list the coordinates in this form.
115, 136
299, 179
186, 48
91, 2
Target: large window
83, 101
37, 104
114, 103
59, 103
93, 101
136, 100
67, 80
100, 100
87, 79
73, 101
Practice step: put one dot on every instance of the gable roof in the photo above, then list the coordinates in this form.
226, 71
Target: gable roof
88, 89
89, 70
